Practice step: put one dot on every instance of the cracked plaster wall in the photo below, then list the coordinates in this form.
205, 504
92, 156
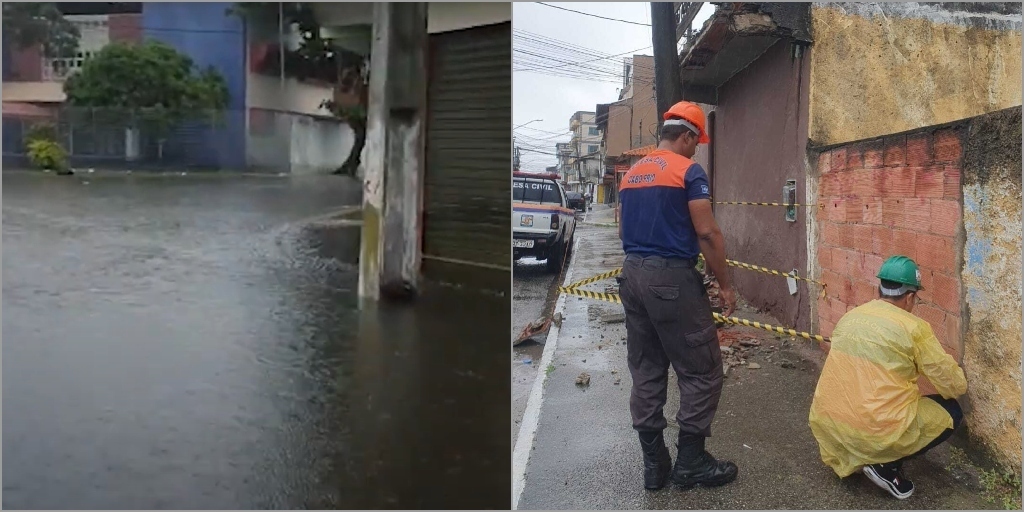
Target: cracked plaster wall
885, 68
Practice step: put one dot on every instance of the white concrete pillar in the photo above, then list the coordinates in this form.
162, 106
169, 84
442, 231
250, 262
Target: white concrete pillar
390, 251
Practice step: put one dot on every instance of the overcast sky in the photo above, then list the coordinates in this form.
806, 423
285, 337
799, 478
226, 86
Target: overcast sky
538, 94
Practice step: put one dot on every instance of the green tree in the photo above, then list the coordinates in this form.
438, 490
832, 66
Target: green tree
152, 81
27, 24
316, 57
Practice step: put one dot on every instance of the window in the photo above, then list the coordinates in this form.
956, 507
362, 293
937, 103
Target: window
593, 131
593, 149
535, 191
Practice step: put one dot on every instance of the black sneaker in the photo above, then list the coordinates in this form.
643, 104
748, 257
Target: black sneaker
890, 477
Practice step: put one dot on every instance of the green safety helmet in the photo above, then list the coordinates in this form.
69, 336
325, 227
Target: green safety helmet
901, 269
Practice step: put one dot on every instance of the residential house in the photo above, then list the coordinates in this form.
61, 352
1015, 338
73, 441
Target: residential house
566, 169
878, 117
586, 150
630, 123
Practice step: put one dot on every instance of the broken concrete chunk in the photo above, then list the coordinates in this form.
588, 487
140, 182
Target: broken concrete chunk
753, 366
613, 318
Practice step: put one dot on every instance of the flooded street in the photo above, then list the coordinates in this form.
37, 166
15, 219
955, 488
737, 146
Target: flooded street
184, 342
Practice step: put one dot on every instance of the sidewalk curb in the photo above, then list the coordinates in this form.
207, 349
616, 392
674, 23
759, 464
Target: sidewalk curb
531, 415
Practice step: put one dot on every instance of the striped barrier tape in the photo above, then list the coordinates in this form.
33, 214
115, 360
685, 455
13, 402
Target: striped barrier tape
746, 203
615, 298
756, 268
599, 277
613, 273
771, 328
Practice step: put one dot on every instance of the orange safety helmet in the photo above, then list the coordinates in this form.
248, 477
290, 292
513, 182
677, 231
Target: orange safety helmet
689, 115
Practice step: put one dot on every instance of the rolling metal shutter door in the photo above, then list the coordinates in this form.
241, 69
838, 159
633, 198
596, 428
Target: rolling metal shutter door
467, 198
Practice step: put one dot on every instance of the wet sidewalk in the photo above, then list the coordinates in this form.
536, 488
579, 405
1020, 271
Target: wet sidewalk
585, 455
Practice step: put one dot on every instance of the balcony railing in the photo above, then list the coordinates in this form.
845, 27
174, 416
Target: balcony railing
58, 70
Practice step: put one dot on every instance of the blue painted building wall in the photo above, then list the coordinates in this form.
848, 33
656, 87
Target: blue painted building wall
211, 37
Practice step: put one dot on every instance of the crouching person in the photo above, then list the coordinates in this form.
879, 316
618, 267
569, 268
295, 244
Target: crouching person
867, 414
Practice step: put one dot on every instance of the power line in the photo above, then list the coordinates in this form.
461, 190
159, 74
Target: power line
623, 54
595, 15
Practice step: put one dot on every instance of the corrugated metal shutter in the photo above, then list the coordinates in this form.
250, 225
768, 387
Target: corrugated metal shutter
468, 147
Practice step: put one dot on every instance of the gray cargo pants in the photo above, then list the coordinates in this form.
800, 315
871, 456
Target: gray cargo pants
669, 321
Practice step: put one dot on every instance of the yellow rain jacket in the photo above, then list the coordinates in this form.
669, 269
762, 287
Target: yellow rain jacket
867, 408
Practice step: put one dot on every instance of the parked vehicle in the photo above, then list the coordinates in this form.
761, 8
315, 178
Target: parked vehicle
576, 201
543, 224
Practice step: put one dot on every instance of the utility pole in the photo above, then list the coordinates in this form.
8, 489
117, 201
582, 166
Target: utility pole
668, 88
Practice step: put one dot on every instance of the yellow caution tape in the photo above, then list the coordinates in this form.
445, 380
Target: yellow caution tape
772, 272
599, 277
733, 263
745, 203
615, 298
771, 328
607, 297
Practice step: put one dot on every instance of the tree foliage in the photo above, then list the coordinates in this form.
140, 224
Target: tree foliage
151, 78
27, 24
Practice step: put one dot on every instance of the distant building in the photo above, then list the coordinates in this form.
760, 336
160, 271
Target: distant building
586, 150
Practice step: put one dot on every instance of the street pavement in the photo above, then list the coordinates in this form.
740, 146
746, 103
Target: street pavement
532, 299
585, 454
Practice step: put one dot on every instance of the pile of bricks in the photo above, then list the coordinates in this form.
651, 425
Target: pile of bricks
896, 195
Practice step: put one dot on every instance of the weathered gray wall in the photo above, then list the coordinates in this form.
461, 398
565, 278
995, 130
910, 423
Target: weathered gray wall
760, 139
992, 282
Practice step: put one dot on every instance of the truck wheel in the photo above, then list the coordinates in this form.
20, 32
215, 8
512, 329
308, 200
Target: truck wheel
555, 258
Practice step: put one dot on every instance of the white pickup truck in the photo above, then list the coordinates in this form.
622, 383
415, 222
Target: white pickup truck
543, 225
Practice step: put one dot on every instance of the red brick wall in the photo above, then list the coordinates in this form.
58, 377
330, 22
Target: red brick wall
896, 195
125, 28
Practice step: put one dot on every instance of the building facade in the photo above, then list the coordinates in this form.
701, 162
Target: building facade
883, 152
586, 150
629, 123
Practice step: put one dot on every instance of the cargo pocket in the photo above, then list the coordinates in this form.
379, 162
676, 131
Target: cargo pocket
699, 356
666, 292
701, 336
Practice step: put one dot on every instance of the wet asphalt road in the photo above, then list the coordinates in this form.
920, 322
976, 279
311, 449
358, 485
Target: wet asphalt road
532, 298
183, 342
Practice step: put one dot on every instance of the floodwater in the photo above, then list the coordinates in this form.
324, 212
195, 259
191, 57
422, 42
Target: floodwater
185, 342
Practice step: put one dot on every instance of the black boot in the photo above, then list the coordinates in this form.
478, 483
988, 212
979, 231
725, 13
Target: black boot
657, 461
695, 466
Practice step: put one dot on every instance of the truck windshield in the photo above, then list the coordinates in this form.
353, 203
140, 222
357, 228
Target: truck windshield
531, 191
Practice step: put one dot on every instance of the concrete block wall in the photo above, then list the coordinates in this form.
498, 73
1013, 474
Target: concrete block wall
888, 196
948, 196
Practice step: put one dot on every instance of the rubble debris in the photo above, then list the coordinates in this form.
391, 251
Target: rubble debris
750, 342
583, 380
613, 318
753, 366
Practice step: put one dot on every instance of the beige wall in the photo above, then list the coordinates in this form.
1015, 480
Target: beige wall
645, 110
618, 130
884, 68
